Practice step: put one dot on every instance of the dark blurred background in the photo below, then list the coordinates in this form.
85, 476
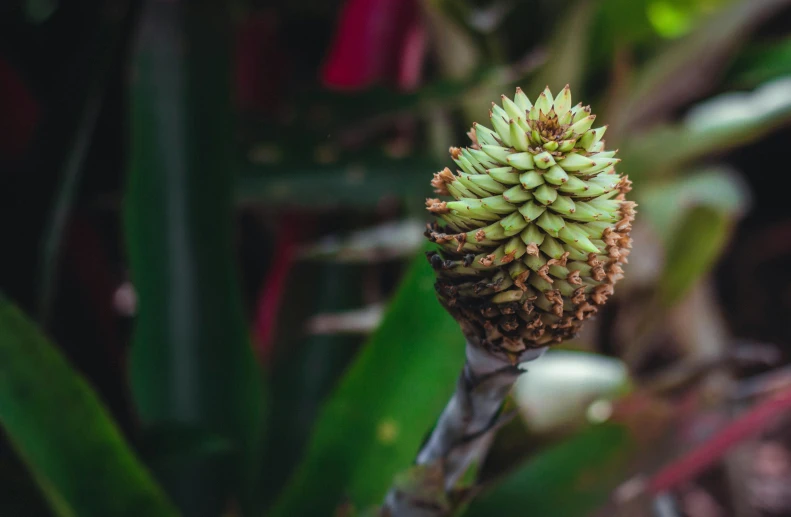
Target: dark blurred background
183, 182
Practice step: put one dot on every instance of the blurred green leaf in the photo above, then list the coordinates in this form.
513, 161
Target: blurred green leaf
702, 234
690, 66
567, 60
362, 183
374, 422
761, 63
721, 123
191, 360
568, 480
63, 433
307, 366
665, 204
39, 11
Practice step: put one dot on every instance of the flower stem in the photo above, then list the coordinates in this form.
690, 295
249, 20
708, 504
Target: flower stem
464, 430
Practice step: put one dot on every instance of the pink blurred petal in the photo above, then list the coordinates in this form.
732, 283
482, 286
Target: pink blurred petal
368, 43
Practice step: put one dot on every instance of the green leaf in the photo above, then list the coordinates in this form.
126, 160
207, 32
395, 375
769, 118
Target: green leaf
721, 123
63, 433
688, 67
664, 204
568, 480
307, 365
191, 360
362, 183
373, 424
693, 250
761, 63
567, 58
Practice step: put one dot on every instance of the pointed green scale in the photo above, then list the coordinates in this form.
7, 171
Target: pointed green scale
544, 101
534, 262
464, 179
505, 175
484, 159
582, 267
559, 271
513, 224
551, 146
521, 100
563, 101
607, 181
500, 154
531, 179
521, 161
473, 207
479, 168
498, 205
573, 185
597, 147
511, 108
544, 160
517, 194
485, 182
498, 254
574, 253
532, 234
551, 223
605, 205
531, 211
576, 238
575, 162
545, 194
517, 268
581, 126
585, 212
502, 129
581, 113
500, 112
556, 175
564, 119
485, 135
494, 232
592, 137
458, 190
535, 137
596, 229
465, 165
552, 248
563, 205
604, 154
514, 244
522, 123
543, 286
566, 146
600, 164
518, 136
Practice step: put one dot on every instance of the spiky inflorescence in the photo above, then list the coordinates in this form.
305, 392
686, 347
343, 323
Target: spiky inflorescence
539, 229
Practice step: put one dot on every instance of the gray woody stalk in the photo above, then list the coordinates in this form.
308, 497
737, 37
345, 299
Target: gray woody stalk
529, 248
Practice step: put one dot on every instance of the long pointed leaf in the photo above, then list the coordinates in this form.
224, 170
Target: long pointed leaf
373, 424
191, 363
63, 433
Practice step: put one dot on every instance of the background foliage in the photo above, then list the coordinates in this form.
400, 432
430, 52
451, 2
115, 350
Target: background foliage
215, 301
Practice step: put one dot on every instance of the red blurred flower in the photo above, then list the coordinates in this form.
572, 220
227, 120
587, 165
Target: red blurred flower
376, 41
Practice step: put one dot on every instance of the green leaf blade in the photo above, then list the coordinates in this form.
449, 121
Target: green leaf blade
63, 433
373, 424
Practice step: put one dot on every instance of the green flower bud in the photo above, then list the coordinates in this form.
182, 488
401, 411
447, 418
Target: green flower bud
538, 230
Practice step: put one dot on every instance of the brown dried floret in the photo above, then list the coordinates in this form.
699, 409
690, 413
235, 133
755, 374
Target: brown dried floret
436, 206
440, 181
